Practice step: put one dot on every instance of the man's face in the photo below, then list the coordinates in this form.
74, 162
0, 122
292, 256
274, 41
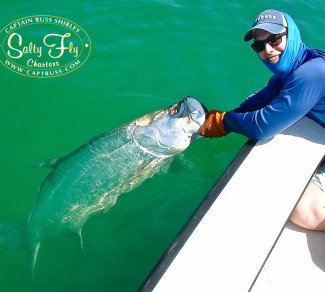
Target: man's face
270, 54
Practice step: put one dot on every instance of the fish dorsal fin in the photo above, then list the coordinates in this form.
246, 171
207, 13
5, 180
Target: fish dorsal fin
48, 164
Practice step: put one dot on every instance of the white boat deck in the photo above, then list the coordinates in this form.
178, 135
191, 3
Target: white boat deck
239, 239
297, 263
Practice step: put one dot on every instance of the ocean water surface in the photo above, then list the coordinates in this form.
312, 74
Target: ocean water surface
145, 55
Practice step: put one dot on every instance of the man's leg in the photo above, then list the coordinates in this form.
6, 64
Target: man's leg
310, 211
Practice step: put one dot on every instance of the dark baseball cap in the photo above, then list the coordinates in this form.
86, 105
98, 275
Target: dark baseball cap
270, 20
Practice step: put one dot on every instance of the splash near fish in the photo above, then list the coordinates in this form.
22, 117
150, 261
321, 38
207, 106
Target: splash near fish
90, 179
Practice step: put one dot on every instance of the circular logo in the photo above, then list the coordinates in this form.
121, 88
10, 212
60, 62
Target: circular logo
43, 46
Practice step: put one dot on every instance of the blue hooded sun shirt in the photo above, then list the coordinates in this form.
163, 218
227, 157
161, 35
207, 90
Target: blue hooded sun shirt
296, 89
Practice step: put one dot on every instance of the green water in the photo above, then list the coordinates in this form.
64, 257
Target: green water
145, 56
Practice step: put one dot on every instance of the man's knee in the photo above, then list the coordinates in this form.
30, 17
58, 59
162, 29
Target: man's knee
310, 211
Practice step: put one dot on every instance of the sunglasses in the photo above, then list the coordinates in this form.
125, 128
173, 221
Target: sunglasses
274, 40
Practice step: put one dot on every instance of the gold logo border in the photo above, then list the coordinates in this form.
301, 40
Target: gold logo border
55, 17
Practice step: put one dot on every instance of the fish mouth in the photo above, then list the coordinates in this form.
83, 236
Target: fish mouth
196, 110
198, 113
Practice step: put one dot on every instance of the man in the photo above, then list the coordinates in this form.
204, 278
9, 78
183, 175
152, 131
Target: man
296, 89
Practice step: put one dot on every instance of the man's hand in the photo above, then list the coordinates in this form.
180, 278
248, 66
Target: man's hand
213, 125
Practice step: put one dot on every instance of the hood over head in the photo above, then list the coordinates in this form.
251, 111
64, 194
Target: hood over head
291, 55
294, 49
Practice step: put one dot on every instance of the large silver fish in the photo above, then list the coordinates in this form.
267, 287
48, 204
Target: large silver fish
90, 179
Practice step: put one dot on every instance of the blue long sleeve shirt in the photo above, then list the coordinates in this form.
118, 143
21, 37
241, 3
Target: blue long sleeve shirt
284, 100
296, 89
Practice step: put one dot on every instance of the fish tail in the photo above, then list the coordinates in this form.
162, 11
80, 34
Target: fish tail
12, 235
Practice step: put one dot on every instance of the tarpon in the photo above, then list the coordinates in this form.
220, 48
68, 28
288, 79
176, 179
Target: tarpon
91, 178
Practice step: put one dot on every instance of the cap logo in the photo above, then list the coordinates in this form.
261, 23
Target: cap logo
265, 17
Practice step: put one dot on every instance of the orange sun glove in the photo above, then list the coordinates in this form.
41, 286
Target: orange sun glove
213, 125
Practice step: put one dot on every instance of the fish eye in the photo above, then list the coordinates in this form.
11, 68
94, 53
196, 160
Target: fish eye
173, 111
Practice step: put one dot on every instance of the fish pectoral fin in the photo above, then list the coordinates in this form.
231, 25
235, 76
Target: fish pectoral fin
110, 202
77, 235
146, 166
48, 164
32, 252
155, 166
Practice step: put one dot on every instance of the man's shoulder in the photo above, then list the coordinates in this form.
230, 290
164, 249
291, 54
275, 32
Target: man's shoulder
312, 69
314, 60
